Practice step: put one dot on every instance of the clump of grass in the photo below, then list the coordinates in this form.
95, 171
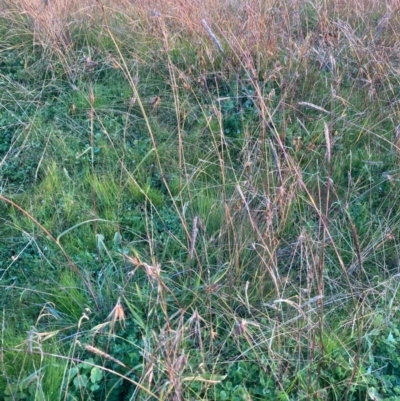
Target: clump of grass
201, 200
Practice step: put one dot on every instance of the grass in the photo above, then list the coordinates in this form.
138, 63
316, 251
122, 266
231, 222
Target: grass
199, 201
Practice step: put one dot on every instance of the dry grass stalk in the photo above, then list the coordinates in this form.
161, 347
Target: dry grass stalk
328, 143
102, 354
314, 106
195, 231
213, 37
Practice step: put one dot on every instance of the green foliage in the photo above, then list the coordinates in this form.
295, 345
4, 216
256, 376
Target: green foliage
84, 379
247, 379
381, 367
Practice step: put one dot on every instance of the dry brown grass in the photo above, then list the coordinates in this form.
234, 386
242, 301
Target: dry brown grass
255, 32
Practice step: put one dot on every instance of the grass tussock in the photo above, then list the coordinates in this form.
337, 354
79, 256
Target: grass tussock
199, 200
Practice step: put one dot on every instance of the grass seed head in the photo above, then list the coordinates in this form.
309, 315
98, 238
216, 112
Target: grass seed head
117, 315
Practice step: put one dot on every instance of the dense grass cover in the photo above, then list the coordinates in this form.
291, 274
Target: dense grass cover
199, 200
